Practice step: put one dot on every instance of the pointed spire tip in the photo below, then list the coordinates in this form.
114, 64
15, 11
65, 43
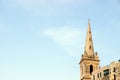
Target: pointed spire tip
89, 20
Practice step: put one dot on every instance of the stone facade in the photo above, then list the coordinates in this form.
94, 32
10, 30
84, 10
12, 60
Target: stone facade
89, 63
109, 72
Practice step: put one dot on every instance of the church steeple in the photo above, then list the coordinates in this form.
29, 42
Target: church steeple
89, 61
89, 49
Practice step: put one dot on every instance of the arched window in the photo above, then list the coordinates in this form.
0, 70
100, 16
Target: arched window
100, 74
114, 70
90, 39
91, 69
90, 47
114, 77
89, 32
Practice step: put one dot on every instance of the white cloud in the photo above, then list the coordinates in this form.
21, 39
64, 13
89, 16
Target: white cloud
70, 38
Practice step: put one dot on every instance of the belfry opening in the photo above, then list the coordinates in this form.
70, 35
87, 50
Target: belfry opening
91, 69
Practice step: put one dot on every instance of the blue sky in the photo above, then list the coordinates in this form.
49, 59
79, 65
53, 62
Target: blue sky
44, 39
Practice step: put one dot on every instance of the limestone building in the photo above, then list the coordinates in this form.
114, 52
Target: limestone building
109, 72
89, 63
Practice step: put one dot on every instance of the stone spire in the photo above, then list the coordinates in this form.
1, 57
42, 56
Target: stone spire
89, 61
89, 49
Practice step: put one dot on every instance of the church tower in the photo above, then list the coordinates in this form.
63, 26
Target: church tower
89, 60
